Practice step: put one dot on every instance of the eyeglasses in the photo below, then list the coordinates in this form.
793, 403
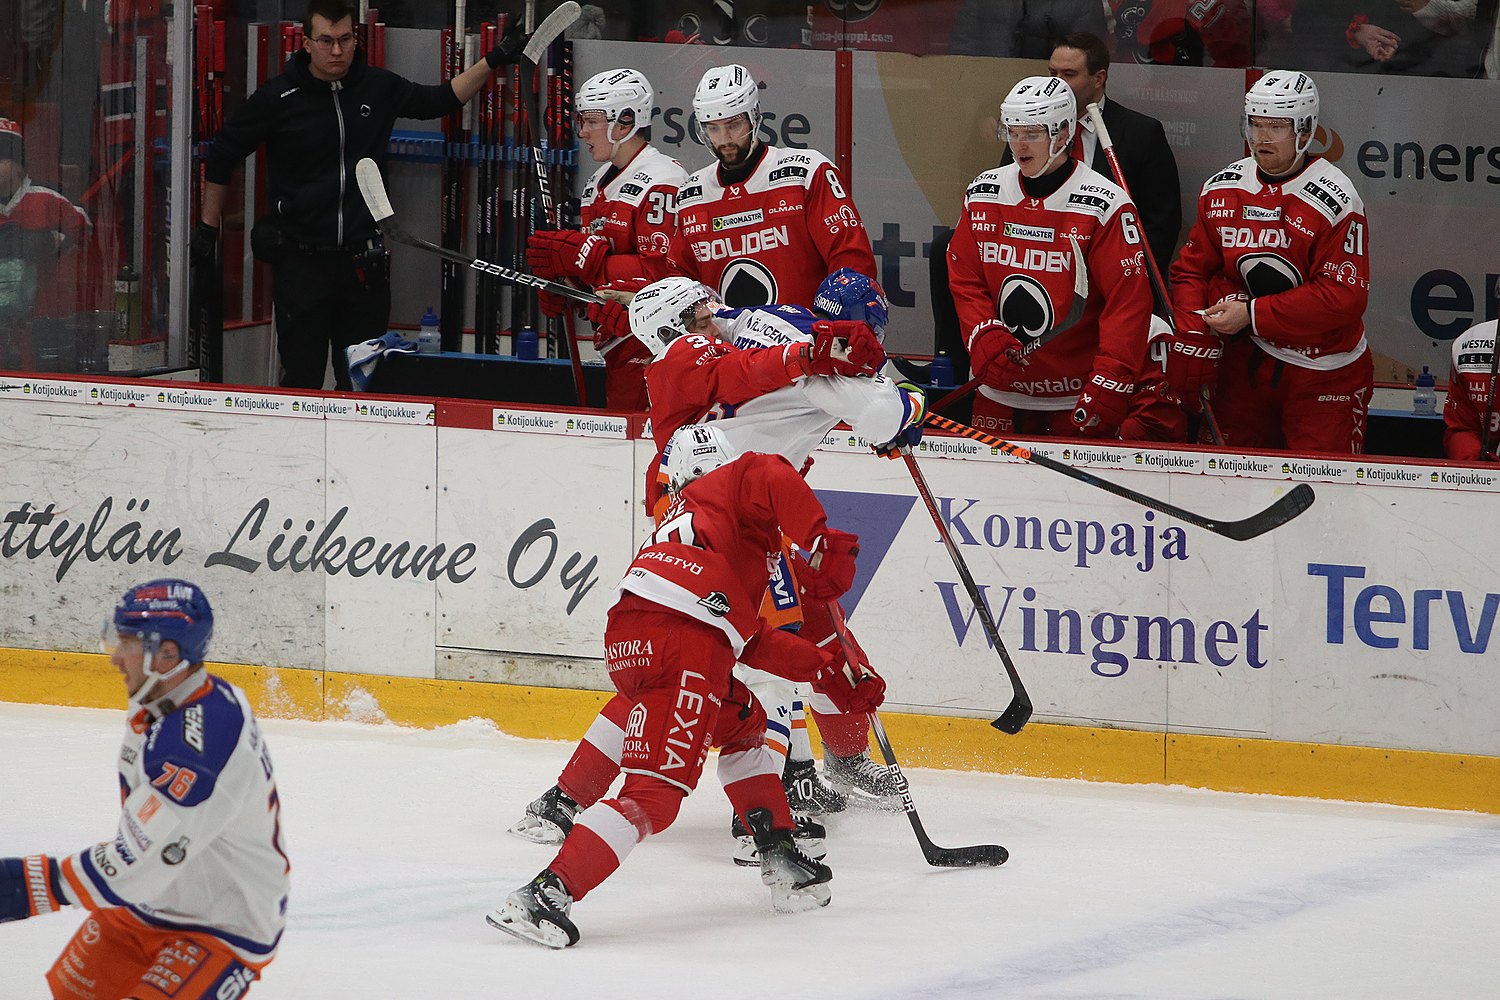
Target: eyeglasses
1270, 129
327, 43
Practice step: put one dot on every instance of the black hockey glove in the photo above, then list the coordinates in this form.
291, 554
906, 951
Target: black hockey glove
508, 50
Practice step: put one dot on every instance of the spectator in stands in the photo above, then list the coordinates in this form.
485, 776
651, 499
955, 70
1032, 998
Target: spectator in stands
1021, 29
1413, 37
1183, 32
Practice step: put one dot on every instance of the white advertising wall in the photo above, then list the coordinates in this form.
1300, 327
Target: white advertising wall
379, 537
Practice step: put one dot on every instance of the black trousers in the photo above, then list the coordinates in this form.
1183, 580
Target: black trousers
327, 299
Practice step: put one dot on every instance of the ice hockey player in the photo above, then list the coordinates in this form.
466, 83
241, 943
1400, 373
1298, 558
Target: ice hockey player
1471, 398
1275, 276
790, 421
188, 899
761, 224
696, 376
628, 212
686, 609
1011, 267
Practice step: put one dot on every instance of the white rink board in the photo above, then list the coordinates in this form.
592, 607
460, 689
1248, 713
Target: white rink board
553, 517
1370, 620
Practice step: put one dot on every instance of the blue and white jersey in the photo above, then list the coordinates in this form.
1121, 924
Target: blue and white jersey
199, 841
793, 420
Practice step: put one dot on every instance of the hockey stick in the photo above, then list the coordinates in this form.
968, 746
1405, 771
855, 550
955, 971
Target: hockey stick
1075, 312
1284, 509
372, 189
1158, 286
532, 106
1489, 402
1016, 714
938, 857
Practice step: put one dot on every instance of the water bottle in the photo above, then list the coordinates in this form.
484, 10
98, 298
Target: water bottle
1424, 397
526, 349
429, 338
942, 369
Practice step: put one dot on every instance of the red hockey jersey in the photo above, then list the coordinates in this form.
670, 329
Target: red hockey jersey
711, 555
1469, 389
1298, 247
635, 210
774, 237
1011, 258
699, 378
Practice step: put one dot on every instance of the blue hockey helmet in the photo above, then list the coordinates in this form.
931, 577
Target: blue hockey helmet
167, 609
848, 295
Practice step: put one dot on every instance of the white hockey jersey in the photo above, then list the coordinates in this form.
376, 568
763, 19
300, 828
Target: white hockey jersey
199, 841
793, 421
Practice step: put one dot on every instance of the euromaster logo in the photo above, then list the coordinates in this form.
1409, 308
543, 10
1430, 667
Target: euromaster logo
753, 218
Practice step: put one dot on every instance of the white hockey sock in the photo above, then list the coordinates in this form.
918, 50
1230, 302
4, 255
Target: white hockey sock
801, 748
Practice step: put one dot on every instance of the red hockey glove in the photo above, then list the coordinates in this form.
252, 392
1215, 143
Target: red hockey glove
33, 885
567, 253
1105, 399
787, 654
830, 565
851, 687
842, 347
1192, 361
611, 321
994, 351
551, 305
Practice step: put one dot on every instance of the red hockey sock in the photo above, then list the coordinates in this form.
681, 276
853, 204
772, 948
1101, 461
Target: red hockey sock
844, 735
762, 791
588, 774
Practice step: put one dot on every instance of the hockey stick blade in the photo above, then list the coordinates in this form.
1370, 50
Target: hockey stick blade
1284, 509
546, 33
938, 857
980, 855
1018, 712
372, 189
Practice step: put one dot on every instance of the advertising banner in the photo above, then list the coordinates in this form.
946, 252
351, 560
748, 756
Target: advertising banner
1368, 620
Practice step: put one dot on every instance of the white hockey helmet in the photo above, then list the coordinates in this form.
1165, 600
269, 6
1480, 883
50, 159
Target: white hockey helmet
1286, 94
1040, 100
615, 92
695, 451
724, 92
663, 310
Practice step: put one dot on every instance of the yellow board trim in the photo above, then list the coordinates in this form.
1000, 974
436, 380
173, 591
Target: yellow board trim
1312, 770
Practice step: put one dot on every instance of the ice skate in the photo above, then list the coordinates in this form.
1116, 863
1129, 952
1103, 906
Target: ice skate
548, 820
806, 793
796, 881
809, 836
862, 781
538, 912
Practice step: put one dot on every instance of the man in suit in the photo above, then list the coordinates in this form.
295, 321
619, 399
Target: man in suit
1081, 60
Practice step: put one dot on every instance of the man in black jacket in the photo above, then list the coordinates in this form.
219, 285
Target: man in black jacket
1082, 61
329, 109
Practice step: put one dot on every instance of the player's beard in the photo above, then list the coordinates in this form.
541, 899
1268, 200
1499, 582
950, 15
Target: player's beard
734, 154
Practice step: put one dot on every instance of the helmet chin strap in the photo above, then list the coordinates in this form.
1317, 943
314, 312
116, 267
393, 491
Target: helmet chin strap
143, 705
